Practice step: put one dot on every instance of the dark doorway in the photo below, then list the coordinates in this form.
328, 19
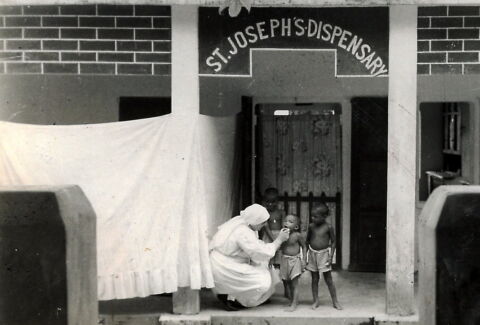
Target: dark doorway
247, 142
134, 108
369, 184
446, 139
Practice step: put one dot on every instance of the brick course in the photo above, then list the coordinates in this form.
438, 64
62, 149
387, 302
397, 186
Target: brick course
60, 67
23, 68
10, 10
59, 45
97, 22
60, 21
96, 68
446, 45
41, 56
448, 40
136, 39
472, 21
134, 68
463, 11
22, 21
23, 45
78, 56
463, 57
85, 39
472, 68
78, 10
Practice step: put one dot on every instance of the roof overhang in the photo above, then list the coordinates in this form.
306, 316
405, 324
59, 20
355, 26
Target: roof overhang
257, 3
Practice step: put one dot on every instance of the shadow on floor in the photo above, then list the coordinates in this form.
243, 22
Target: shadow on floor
360, 293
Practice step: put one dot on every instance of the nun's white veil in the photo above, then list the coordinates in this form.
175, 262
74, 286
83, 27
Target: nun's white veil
254, 214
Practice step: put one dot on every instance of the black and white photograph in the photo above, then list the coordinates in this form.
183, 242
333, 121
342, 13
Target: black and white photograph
239, 162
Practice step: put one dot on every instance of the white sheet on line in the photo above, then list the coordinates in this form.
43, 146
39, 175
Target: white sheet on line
159, 188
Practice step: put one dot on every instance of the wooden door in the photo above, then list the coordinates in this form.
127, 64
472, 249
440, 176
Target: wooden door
301, 153
369, 184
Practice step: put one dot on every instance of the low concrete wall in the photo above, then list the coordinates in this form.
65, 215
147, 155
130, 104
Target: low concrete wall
47, 257
450, 257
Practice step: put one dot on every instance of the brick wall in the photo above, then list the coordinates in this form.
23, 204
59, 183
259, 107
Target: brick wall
448, 40
85, 39
135, 39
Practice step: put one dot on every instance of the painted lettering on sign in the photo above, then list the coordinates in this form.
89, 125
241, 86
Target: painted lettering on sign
236, 40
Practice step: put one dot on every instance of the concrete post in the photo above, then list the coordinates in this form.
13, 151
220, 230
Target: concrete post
185, 100
186, 301
402, 125
185, 80
48, 272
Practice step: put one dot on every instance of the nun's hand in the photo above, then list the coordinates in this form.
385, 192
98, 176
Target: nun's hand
284, 234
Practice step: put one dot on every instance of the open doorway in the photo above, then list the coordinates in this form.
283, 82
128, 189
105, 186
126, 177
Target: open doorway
298, 152
445, 146
369, 184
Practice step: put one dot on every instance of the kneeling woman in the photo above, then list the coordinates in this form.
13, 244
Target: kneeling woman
240, 260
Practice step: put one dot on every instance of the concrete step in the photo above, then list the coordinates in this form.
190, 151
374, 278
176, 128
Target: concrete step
202, 319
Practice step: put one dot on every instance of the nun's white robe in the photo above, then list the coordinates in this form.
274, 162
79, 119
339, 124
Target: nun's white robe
239, 267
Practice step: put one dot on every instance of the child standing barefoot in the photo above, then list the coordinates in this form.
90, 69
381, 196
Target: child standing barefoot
321, 247
274, 224
292, 263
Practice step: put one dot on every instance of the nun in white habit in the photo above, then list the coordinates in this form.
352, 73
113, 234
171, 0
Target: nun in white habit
240, 260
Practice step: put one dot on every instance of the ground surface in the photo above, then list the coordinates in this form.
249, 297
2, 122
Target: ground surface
361, 294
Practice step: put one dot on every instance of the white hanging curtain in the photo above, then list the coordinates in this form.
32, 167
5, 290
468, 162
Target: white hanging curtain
159, 188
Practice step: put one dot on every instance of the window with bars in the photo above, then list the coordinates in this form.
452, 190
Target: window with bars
451, 129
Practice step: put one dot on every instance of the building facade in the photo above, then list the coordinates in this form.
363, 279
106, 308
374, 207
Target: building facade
391, 112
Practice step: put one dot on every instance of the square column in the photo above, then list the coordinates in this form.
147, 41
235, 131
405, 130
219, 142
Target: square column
185, 79
402, 133
185, 101
186, 301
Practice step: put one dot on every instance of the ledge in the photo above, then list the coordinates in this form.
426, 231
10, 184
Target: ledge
258, 3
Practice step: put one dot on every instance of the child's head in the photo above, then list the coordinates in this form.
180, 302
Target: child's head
270, 199
320, 212
292, 222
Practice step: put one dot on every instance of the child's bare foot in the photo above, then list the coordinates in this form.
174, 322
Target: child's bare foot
291, 308
315, 304
337, 305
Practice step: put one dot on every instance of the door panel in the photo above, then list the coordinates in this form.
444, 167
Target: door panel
369, 184
247, 169
301, 152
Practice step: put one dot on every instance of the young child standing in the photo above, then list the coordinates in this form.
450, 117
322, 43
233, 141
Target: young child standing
274, 224
292, 263
321, 247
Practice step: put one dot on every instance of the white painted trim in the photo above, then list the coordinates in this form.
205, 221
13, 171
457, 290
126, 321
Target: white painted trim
256, 3
185, 80
346, 181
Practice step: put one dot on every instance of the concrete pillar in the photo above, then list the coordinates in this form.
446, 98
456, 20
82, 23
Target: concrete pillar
185, 101
402, 125
186, 301
185, 80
